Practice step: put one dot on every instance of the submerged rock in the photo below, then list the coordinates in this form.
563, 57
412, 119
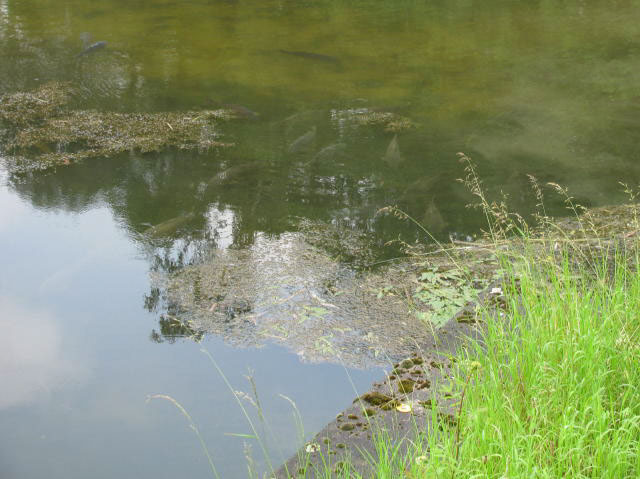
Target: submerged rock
293, 290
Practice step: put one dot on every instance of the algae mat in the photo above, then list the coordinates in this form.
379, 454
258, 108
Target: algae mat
43, 131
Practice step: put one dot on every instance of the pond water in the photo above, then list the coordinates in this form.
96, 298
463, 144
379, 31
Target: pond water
542, 88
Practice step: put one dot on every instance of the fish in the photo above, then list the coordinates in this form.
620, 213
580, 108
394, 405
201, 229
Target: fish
168, 227
311, 56
420, 189
432, 219
393, 157
233, 172
299, 122
241, 111
92, 48
330, 153
304, 143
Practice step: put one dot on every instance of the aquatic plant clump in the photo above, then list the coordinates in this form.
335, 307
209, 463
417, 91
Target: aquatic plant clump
44, 130
389, 121
26, 108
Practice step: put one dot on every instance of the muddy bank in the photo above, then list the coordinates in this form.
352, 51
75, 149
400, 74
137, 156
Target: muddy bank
401, 405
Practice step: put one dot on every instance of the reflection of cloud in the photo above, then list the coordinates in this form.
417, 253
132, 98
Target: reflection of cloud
31, 359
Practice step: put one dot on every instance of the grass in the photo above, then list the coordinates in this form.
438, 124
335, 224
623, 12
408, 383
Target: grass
556, 392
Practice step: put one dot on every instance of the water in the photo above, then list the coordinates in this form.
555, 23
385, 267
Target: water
539, 88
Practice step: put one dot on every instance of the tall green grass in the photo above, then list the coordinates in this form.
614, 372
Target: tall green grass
557, 390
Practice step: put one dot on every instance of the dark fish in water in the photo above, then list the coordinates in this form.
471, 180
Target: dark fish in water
92, 48
297, 123
233, 172
432, 219
241, 111
167, 227
311, 56
332, 152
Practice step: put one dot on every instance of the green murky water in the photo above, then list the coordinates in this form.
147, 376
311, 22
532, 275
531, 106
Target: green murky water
542, 88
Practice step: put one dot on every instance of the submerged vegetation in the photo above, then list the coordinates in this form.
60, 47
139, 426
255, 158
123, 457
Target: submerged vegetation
46, 131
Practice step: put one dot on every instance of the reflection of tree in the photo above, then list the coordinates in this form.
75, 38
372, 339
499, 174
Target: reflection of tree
172, 329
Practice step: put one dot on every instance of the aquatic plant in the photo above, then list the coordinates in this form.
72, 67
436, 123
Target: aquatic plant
45, 129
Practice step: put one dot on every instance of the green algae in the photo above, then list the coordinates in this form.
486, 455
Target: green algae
377, 399
26, 108
42, 127
406, 386
388, 121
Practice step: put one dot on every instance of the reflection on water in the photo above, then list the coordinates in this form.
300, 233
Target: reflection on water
77, 363
33, 361
344, 108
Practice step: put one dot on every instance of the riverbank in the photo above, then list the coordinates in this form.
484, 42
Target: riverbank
548, 389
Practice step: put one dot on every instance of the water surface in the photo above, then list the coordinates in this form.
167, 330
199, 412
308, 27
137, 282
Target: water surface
541, 88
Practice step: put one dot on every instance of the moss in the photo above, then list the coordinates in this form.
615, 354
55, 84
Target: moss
406, 386
352, 416
44, 128
389, 121
348, 426
406, 364
376, 398
24, 108
467, 317
424, 384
